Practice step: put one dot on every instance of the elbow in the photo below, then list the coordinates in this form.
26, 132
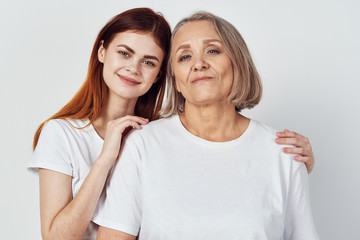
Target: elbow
46, 234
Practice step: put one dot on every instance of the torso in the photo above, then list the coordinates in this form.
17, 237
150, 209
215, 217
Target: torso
195, 189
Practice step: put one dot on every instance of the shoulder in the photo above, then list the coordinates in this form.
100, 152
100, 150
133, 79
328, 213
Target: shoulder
266, 135
161, 123
64, 125
62, 130
154, 128
263, 132
152, 133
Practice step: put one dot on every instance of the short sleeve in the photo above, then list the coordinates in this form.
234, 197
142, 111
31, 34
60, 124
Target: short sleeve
52, 150
299, 224
120, 206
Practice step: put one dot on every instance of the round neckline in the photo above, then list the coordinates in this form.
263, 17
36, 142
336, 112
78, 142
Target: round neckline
197, 139
94, 132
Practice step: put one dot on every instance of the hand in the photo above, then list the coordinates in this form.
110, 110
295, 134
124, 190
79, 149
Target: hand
114, 134
302, 147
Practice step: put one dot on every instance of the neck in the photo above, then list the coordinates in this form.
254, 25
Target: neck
218, 122
114, 108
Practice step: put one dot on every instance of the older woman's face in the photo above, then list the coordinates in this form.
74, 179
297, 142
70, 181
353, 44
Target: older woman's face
202, 69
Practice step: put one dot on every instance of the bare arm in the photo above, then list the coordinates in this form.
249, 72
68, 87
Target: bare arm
302, 147
64, 217
110, 234
61, 216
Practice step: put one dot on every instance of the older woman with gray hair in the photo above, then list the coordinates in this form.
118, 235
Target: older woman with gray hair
206, 171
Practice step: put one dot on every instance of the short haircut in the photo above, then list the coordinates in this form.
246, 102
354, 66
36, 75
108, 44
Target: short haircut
246, 90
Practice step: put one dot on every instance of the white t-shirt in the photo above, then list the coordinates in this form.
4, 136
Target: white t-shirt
169, 184
64, 148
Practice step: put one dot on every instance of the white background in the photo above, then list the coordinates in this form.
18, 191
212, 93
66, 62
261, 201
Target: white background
307, 53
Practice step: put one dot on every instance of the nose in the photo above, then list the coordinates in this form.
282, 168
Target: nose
200, 64
132, 67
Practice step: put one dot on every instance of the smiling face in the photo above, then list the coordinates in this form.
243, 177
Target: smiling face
202, 69
132, 62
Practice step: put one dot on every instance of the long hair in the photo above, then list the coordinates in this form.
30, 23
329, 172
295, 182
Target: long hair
93, 94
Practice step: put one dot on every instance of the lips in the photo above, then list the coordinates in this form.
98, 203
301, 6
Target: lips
202, 79
127, 80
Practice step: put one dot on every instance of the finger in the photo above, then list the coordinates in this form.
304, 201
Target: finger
308, 162
287, 134
296, 150
290, 141
309, 166
119, 128
122, 120
301, 159
139, 119
133, 118
130, 123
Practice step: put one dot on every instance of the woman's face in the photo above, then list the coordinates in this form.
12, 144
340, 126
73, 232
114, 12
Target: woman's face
203, 70
131, 63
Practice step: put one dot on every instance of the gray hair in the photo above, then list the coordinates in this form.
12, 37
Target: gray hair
246, 89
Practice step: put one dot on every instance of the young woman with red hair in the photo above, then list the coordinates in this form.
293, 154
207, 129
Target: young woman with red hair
75, 149
124, 88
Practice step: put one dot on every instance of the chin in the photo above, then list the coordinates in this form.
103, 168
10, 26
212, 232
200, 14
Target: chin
128, 94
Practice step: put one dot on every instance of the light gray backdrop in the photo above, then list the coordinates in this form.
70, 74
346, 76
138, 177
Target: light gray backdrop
307, 53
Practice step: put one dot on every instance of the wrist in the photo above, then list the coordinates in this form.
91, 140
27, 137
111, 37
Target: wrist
104, 162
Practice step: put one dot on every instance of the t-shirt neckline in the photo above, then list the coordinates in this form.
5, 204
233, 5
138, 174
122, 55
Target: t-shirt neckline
199, 140
93, 130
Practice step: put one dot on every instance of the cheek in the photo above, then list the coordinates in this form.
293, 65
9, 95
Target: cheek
228, 71
180, 73
150, 76
111, 62
179, 79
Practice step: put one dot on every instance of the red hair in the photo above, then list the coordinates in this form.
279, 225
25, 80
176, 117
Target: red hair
91, 97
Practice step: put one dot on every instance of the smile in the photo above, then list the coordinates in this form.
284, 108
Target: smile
201, 79
127, 80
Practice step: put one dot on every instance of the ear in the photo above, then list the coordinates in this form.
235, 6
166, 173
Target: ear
101, 52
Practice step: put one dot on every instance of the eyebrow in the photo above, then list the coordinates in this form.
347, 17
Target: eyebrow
212, 40
204, 41
151, 57
127, 48
133, 51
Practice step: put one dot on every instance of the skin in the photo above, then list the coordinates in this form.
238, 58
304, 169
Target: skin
131, 64
199, 54
302, 147
204, 76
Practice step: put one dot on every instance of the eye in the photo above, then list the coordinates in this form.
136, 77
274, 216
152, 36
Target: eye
213, 51
150, 63
184, 58
125, 54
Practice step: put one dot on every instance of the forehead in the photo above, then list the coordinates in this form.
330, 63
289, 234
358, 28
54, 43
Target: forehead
133, 36
192, 31
141, 40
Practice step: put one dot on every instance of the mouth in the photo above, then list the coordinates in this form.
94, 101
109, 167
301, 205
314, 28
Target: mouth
127, 80
201, 79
